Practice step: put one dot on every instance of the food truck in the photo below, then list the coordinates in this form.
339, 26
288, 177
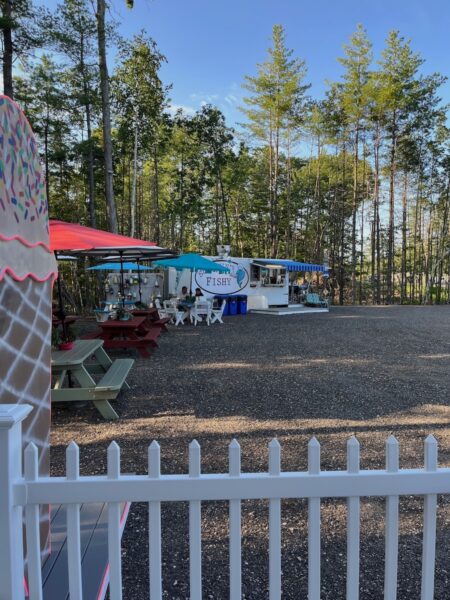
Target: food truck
264, 281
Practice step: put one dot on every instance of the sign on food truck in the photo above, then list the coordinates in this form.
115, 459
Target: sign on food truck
223, 283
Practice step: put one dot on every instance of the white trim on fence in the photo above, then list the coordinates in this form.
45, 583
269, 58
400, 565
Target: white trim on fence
18, 492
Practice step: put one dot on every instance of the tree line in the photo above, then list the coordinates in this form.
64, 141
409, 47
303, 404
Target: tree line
358, 179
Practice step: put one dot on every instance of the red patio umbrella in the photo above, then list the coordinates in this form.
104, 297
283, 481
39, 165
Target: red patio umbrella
78, 240
72, 237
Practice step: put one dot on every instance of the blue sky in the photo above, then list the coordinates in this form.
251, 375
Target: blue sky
212, 44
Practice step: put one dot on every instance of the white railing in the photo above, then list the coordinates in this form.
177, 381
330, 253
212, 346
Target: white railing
27, 491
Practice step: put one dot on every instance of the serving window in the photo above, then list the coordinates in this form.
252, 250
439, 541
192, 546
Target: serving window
268, 276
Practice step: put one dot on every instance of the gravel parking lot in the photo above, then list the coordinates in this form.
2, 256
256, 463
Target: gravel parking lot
364, 371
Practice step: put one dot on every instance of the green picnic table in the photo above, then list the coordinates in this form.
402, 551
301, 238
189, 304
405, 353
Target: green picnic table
77, 362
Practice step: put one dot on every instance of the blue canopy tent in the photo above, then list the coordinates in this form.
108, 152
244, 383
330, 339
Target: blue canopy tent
192, 262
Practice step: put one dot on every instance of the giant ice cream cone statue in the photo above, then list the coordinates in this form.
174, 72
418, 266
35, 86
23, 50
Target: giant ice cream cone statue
27, 272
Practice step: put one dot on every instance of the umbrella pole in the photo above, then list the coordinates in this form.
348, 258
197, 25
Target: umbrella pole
122, 283
139, 280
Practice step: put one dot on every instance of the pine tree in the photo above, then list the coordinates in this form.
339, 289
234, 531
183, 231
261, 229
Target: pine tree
276, 97
354, 99
44, 98
73, 32
398, 75
139, 99
20, 24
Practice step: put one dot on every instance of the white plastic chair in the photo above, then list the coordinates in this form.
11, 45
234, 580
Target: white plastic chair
217, 313
201, 308
163, 313
180, 316
172, 311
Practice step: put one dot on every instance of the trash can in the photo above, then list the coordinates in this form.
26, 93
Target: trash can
242, 305
232, 305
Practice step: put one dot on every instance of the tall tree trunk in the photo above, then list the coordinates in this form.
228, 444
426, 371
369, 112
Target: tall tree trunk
354, 209
365, 187
317, 202
404, 238
376, 216
421, 251
46, 157
274, 224
342, 232
429, 275
223, 200
107, 141
391, 240
216, 216
270, 180
156, 234
90, 158
444, 239
288, 235
416, 237
361, 257
91, 174
181, 240
238, 237
133, 191
8, 89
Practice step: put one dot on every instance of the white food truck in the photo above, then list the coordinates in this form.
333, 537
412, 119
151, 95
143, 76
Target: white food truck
264, 281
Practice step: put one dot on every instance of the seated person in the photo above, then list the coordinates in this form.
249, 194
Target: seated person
186, 300
198, 293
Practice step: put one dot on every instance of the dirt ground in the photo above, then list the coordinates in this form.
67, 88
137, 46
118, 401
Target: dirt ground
364, 371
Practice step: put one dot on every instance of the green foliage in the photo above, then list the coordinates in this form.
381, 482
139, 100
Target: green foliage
26, 22
359, 178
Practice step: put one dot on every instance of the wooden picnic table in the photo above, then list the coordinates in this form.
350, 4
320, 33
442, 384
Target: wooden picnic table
76, 363
132, 333
152, 318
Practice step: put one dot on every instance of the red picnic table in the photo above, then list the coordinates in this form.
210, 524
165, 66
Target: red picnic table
152, 317
129, 334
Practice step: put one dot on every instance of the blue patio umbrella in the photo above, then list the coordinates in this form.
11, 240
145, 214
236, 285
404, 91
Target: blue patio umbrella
122, 266
126, 266
192, 262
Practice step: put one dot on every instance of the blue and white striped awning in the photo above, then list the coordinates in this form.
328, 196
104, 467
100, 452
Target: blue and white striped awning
291, 265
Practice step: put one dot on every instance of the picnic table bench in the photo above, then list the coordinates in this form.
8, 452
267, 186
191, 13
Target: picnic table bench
132, 333
75, 362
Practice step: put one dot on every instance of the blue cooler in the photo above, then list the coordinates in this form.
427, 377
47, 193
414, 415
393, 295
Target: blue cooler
242, 305
232, 305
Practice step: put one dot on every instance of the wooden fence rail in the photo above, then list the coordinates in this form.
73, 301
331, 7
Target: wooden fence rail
23, 492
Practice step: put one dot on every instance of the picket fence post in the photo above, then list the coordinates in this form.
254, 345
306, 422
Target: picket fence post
11, 515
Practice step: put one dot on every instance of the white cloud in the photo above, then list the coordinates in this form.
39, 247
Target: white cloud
187, 110
231, 99
204, 98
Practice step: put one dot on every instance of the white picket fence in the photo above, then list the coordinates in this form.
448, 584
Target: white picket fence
26, 491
